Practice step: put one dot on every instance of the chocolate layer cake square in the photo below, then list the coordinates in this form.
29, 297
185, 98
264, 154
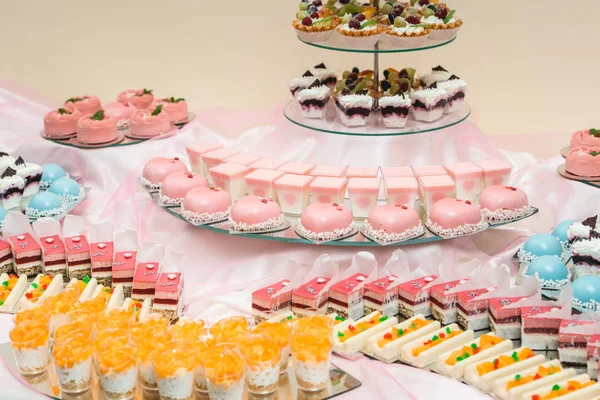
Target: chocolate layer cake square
472, 312
27, 254
413, 297
346, 297
443, 303
266, 302
78, 257
379, 296
311, 298
54, 256
123, 268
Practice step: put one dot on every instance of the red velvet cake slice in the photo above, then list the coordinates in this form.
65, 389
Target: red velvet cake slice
311, 298
78, 257
473, 312
27, 254
505, 319
380, 295
123, 268
539, 333
346, 297
593, 356
6, 258
144, 281
54, 256
413, 297
168, 298
266, 302
101, 255
573, 336
443, 303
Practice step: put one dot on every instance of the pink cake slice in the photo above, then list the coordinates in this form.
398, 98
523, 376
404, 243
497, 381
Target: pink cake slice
296, 168
379, 296
54, 256
473, 312
195, 152
293, 193
433, 188
78, 256
211, 159
443, 304
346, 297
363, 193
311, 298
168, 297
327, 189
495, 172
229, 176
261, 183
144, 281
402, 190
361, 172
6, 258
123, 267
243, 158
467, 178
268, 163
428, 170
413, 297
593, 356
329, 170
101, 254
397, 172
539, 333
27, 255
572, 347
265, 303
505, 319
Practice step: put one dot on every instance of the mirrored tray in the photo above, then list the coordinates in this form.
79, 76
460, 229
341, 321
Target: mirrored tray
290, 236
375, 127
593, 182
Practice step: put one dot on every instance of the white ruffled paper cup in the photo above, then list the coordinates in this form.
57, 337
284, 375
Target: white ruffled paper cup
360, 42
407, 42
314, 37
443, 34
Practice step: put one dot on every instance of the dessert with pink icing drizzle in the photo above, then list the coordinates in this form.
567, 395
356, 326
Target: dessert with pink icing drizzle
158, 168
150, 123
177, 185
503, 203
363, 194
255, 214
495, 172
327, 189
402, 190
84, 104
261, 183
393, 223
195, 152
97, 128
467, 178
202, 205
230, 177
586, 137
325, 222
139, 98
62, 122
176, 108
584, 161
435, 188
122, 113
453, 217
293, 193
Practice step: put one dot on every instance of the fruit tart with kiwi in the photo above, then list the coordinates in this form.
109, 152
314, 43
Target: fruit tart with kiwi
358, 31
394, 98
354, 96
442, 20
315, 22
407, 32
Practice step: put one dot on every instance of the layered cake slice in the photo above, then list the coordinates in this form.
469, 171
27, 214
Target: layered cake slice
354, 109
123, 267
351, 336
271, 300
443, 301
11, 188
311, 298
6, 258
101, 255
168, 297
144, 281
456, 89
505, 317
78, 256
363, 194
573, 337
472, 311
27, 254
346, 297
313, 100
31, 174
381, 295
540, 331
195, 153
428, 105
593, 355
54, 256
413, 297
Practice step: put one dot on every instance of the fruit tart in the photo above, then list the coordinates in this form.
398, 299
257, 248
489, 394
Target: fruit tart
315, 23
313, 100
394, 99
358, 31
354, 97
407, 32
442, 21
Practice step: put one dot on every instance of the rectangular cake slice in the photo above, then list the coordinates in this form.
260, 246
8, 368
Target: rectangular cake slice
505, 320
443, 303
346, 297
473, 312
381, 296
6, 258
123, 268
311, 298
27, 254
572, 345
413, 297
266, 302
593, 356
539, 333
54, 256
144, 281
168, 298
78, 257
101, 255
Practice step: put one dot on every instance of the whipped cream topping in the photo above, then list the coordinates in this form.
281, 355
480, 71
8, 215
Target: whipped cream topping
590, 248
453, 85
395, 101
428, 96
578, 230
319, 92
322, 73
435, 76
302, 82
433, 20
408, 29
356, 100
346, 28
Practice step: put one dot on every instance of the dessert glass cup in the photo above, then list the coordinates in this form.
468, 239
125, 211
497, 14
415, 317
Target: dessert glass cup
73, 360
205, 345
156, 325
188, 331
278, 332
147, 352
230, 329
31, 346
262, 356
311, 355
224, 368
117, 371
174, 369
314, 322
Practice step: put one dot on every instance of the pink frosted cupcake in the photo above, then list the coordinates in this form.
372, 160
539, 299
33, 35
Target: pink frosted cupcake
139, 98
584, 161
158, 168
452, 217
177, 185
96, 129
503, 203
122, 113
85, 104
255, 214
150, 123
176, 108
586, 137
60, 123
326, 222
202, 205
393, 223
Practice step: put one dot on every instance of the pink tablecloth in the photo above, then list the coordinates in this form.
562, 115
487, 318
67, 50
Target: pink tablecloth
220, 270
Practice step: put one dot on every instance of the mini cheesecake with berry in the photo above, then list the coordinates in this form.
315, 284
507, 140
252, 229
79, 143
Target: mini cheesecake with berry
313, 100
441, 19
176, 108
315, 23
354, 97
358, 31
394, 100
407, 32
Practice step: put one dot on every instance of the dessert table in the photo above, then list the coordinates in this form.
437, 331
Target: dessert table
221, 274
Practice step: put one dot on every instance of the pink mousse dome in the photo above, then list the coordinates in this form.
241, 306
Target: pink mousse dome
207, 200
85, 104
393, 218
252, 211
584, 161
178, 184
93, 131
178, 111
144, 124
497, 197
584, 138
136, 98
158, 168
454, 213
326, 218
58, 125
119, 111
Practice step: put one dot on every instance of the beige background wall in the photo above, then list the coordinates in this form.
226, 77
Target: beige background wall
532, 66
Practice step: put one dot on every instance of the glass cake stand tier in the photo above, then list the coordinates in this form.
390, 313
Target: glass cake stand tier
375, 126
337, 43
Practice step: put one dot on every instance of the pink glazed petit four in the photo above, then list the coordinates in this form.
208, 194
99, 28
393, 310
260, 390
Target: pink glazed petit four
503, 203
434, 188
379, 296
78, 257
293, 193
195, 152
261, 183
123, 268
472, 312
96, 128
397, 172
311, 298
144, 281
324, 221
101, 254
583, 161
363, 194
495, 172
6, 258
177, 185
84, 104
265, 303
267, 163
443, 303
54, 256
296, 168
158, 168
593, 356
139, 98
402, 190
329, 170
467, 178
211, 159
168, 296
27, 254
346, 297
428, 170
413, 297
393, 223
254, 214
62, 122
453, 217
202, 205
150, 123
243, 158
327, 189
362, 172
177, 109
230, 177
586, 137
122, 113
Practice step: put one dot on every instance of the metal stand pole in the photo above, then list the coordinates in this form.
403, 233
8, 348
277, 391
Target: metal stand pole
376, 62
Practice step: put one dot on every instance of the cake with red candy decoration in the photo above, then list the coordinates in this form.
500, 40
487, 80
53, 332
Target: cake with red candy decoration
572, 340
158, 168
255, 214
144, 281
122, 113
503, 203
346, 297
139, 98
101, 255
6, 257
593, 355
454, 217
584, 161
413, 297
27, 254
537, 331
585, 137
168, 297
393, 223
78, 256
177, 185
505, 319
149, 123
54, 256
381, 296
324, 221
96, 128
472, 312
202, 205
443, 301
84, 104
123, 267
268, 300
176, 108
311, 298
61, 123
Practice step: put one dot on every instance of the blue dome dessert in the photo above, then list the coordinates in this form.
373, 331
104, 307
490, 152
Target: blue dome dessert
2, 215
45, 204
50, 173
552, 272
67, 189
540, 244
561, 231
586, 293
